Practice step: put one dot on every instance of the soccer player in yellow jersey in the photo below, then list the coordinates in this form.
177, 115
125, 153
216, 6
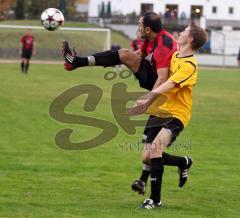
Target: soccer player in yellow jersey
170, 106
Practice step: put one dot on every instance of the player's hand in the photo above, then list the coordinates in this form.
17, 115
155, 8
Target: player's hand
142, 104
140, 107
69, 56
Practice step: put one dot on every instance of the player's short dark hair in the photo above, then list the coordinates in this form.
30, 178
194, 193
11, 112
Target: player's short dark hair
152, 20
199, 36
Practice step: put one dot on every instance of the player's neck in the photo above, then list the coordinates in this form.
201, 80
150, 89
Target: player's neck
152, 36
185, 50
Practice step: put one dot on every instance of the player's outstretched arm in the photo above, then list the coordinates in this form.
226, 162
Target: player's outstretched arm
141, 105
146, 100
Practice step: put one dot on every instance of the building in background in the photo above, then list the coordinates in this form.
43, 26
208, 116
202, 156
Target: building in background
82, 7
217, 13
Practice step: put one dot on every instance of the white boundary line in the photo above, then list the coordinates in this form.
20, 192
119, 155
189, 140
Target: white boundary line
61, 28
15, 61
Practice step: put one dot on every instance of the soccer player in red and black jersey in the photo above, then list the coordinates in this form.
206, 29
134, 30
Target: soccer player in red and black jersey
27, 49
156, 51
151, 68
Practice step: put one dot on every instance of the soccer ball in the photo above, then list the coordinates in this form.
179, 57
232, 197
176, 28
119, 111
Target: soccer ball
52, 18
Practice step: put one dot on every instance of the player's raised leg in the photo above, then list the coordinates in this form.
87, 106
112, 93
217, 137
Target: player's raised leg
106, 59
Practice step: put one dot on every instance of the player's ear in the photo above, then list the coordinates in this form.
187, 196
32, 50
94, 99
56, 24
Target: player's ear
190, 39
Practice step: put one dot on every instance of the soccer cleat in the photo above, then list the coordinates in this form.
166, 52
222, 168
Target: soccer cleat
183, 172
139, 186
69, 55
150, 204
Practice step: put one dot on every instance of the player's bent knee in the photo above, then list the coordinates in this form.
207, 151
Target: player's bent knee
146, 159
146, 156
156, 151
125, 55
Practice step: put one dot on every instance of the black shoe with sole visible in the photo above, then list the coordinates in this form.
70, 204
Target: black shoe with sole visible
183, 172
139, 186
150, 204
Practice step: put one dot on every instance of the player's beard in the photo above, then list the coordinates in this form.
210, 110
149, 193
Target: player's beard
144, 36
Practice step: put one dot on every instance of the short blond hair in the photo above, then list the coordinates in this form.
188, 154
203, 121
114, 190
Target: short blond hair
199, 36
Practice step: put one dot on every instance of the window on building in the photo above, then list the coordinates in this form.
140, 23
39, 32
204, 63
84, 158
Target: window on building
171, 11
214, 9
230, 10
196, 11
146, 8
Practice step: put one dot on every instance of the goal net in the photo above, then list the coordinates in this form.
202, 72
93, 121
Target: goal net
48, 43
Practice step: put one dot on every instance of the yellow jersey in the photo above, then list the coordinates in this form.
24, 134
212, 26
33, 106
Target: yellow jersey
178, 101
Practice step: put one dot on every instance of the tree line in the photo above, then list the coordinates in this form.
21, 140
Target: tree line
33, 8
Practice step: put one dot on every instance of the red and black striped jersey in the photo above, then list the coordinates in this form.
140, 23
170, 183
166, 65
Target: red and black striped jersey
160, 50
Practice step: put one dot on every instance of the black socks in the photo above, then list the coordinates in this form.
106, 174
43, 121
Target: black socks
156, 178
145, 172
156, 169
22, 67
80, 61
172, 160
106, 59
26, 67
168, 160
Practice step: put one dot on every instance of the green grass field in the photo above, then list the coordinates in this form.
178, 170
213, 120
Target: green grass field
48, 43
38, 179
115, 36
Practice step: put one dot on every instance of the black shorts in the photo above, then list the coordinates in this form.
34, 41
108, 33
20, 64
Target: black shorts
146, 75
155, 124
27, 53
